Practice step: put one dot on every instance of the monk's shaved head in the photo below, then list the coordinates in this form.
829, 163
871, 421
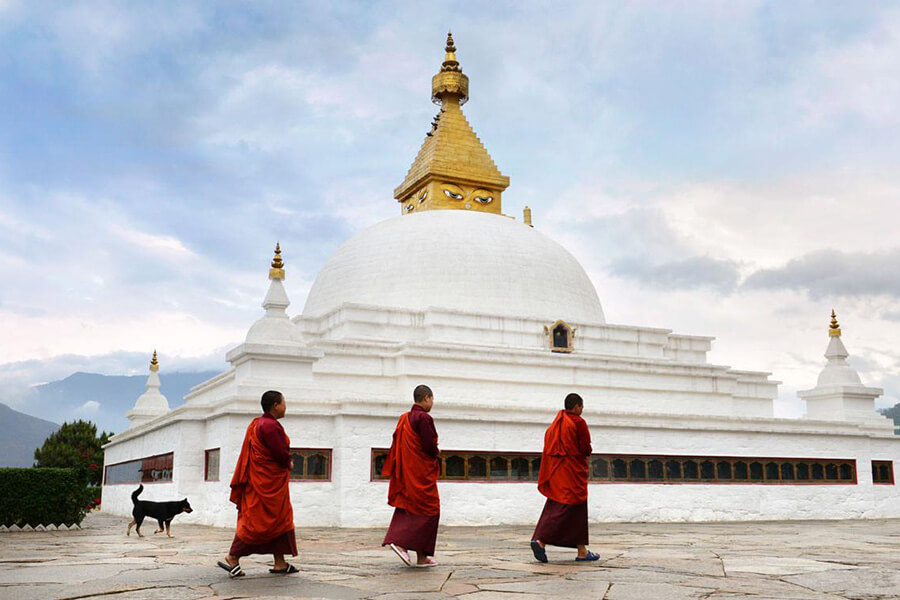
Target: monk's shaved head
270, 399
421, 392
573, 400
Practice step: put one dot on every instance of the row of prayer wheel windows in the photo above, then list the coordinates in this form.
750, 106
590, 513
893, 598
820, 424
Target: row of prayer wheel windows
722, 470
314, 464
309, 464
611, 468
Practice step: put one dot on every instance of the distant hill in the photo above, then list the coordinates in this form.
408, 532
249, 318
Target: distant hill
104, 399
22, 435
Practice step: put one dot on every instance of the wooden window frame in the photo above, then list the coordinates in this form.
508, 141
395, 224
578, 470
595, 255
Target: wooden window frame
881, 463
771, 469
171, 478
305, 453
206, 454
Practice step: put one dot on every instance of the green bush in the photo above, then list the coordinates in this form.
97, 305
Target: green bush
42, 497
93, 495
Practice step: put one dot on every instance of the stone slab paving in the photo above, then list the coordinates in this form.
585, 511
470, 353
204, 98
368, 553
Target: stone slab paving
802, 560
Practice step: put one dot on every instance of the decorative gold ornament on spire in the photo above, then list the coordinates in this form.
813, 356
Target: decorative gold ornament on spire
450, 62
526, 216
453, 170
154, 364
834, 330
277, 270
450, 81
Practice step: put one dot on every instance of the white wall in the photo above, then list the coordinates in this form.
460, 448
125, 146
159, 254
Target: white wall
351, 499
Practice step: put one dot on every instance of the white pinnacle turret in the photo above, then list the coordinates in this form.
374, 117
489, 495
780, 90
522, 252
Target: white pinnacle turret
275, 326
838, 371
839, 394
151, 403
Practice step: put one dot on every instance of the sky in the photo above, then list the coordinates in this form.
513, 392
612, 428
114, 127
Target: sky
719, 168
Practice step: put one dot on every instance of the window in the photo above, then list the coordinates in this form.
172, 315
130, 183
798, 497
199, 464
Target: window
621, 468
883, 472
153, 469
211, 468
312, 464
560, 337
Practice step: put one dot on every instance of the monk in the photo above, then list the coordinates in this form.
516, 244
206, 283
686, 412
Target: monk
259, 489
563, 480
413, 466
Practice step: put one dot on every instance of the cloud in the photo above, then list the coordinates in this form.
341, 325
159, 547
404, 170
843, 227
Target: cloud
686, 274
91, 406
831, 272
164, 245
855, 79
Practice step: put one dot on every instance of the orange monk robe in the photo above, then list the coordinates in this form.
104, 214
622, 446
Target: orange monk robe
412, 471
563, 476
563, 479
259, 488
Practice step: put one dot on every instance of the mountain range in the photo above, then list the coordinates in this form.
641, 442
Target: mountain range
21, 436
101, 399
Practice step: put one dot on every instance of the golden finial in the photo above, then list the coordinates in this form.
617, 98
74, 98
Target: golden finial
834, 330
154, 364
450, 81
450, 63
526, 215
277, 270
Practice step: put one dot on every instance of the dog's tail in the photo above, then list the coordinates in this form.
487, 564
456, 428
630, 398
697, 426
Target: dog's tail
136, 493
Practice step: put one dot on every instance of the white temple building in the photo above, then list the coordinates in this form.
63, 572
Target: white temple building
501, 322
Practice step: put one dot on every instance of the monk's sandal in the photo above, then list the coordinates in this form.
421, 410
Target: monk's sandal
233, 571
288, 570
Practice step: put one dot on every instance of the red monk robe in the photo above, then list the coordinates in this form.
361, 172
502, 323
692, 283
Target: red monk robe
413, 466
259, 488
563, 480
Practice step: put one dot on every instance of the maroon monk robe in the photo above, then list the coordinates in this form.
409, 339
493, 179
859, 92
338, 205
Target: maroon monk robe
566, 525
408, 530
272, 435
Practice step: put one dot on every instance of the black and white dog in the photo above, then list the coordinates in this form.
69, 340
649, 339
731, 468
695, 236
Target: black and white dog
163, 512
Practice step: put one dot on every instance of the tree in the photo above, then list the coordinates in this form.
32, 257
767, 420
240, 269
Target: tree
75, 446
892, 413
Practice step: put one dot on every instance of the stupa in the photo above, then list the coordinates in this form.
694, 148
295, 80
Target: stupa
502, 322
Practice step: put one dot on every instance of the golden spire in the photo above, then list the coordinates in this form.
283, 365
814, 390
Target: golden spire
834, 330
450, 83
154, 364
453, 169
277, 270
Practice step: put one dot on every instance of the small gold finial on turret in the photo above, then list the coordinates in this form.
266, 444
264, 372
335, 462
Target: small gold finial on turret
277, 270
154, 364
526, 216
834, 330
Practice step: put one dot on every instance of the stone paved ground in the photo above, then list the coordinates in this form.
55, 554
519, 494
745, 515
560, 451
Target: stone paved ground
797, 560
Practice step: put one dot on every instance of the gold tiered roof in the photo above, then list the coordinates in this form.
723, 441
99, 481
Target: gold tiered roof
453, 170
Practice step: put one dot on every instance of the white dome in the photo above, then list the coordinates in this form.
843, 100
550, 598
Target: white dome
457, 260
